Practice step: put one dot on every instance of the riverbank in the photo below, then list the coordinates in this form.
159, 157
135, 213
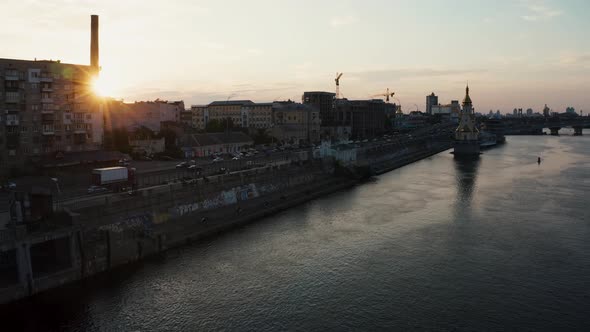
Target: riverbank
390, 165
99, 250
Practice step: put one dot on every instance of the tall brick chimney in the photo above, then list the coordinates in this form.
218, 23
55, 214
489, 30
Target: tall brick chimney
94, 43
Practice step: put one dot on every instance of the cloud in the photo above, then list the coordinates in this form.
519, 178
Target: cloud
213, 45
339, 21
254, 51
575, 59
539, 10
392, 74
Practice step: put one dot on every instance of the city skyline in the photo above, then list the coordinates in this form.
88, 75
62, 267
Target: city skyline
514, 54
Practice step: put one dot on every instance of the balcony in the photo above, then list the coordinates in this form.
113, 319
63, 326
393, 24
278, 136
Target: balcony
12, 122
12, 76
46, 77
48, 131
47, 100
46, 89
13, 99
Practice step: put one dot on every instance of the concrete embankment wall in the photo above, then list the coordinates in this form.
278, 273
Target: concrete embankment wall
154, 228
396, 161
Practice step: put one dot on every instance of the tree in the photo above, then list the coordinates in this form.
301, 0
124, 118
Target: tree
262, 136
117, 139
169, 136
218, 126
143, 133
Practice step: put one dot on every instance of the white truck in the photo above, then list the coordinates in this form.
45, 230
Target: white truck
114, 178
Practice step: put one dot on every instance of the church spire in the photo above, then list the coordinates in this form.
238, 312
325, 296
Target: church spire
467, 100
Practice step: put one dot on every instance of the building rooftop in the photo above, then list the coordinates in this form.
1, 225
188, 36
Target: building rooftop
55, 62
29, 183
75, 158
232, 103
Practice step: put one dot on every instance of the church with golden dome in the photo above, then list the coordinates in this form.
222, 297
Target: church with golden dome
466, 134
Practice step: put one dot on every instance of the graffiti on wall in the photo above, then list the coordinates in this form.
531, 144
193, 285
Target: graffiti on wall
246, 192
140, 222
224, 198
269, 188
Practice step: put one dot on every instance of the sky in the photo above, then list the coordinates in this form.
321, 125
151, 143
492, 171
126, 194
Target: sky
514, 54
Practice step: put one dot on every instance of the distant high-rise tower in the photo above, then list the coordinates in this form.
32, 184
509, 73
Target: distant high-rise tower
546, 111
94, 44
431, 100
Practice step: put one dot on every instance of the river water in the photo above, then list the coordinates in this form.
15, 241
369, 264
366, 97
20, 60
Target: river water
501, 243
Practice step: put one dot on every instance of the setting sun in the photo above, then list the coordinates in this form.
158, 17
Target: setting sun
103, 87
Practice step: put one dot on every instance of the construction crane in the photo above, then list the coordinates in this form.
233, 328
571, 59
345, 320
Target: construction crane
338, 75
387, 94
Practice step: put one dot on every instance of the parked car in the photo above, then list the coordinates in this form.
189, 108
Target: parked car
96, 189
195, 168
218, 159
235, 158
182, 165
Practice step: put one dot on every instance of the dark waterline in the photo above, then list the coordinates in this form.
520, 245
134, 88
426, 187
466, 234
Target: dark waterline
501, 243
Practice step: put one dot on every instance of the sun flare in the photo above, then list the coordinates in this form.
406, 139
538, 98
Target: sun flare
103, 87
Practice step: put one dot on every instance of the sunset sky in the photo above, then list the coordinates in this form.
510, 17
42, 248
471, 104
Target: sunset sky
513, 53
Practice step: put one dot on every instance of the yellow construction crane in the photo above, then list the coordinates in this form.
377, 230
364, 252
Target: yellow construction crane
387, 94
338, 75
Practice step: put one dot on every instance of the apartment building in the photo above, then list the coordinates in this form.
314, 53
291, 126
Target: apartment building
149, 114
365, 118
243, 113
199, 116
295, 122
47, 107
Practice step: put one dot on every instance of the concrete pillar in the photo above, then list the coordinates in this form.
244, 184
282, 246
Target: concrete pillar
25, 269
578, 130
555, 131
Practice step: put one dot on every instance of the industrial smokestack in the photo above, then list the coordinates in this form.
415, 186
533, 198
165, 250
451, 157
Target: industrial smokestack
94, 43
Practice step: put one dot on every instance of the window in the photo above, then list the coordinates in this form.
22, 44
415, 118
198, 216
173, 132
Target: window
67, 86
34, 107
88, 116
35, 86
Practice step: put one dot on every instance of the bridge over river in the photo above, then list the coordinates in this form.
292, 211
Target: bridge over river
535, 126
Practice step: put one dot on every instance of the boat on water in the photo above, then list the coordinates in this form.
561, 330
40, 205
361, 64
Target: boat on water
487, 140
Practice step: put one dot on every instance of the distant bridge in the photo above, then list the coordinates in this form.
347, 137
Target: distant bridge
535, 126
